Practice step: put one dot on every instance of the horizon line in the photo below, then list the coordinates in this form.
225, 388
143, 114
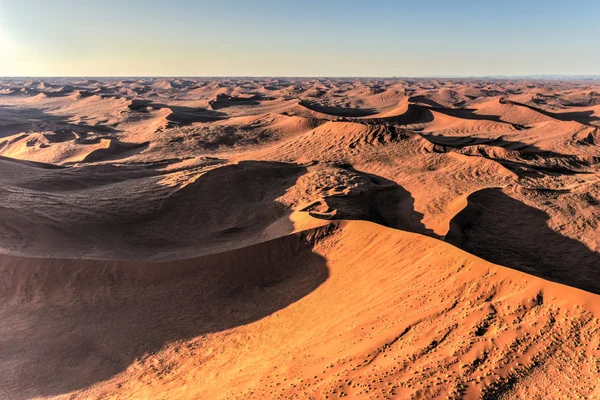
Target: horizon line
533, 76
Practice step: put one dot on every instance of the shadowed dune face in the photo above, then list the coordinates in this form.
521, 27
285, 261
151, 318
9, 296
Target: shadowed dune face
523, 159
268, 238
144, 217
15, 120
222, 101
585, 117
92, 319
508, 232
338, 111
384, 202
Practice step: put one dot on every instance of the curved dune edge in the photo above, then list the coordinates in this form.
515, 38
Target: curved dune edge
145, 215
397, 314
521, 239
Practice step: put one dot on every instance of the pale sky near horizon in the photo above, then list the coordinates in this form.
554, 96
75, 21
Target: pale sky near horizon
298, 38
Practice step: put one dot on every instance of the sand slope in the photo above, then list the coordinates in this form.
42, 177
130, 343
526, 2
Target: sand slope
278, 320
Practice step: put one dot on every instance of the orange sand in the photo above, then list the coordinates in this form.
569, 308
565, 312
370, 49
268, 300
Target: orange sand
299, 238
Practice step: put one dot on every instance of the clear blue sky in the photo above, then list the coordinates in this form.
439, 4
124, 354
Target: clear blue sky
298, 38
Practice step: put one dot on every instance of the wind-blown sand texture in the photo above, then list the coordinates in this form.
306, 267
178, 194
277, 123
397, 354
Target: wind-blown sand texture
299, 238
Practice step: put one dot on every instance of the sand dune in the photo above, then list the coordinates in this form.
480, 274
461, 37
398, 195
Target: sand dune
292, 313
154, 214
338, 111
516, 248
299, 238
141, 296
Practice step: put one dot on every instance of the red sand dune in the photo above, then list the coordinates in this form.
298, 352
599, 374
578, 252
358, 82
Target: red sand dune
299, 238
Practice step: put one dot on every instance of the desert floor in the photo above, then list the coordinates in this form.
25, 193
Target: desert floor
299, 238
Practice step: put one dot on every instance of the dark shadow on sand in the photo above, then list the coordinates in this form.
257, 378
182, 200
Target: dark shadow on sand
525, 159
505, 231
80, 322
338, 111
583, 117
384, 202
14, 120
